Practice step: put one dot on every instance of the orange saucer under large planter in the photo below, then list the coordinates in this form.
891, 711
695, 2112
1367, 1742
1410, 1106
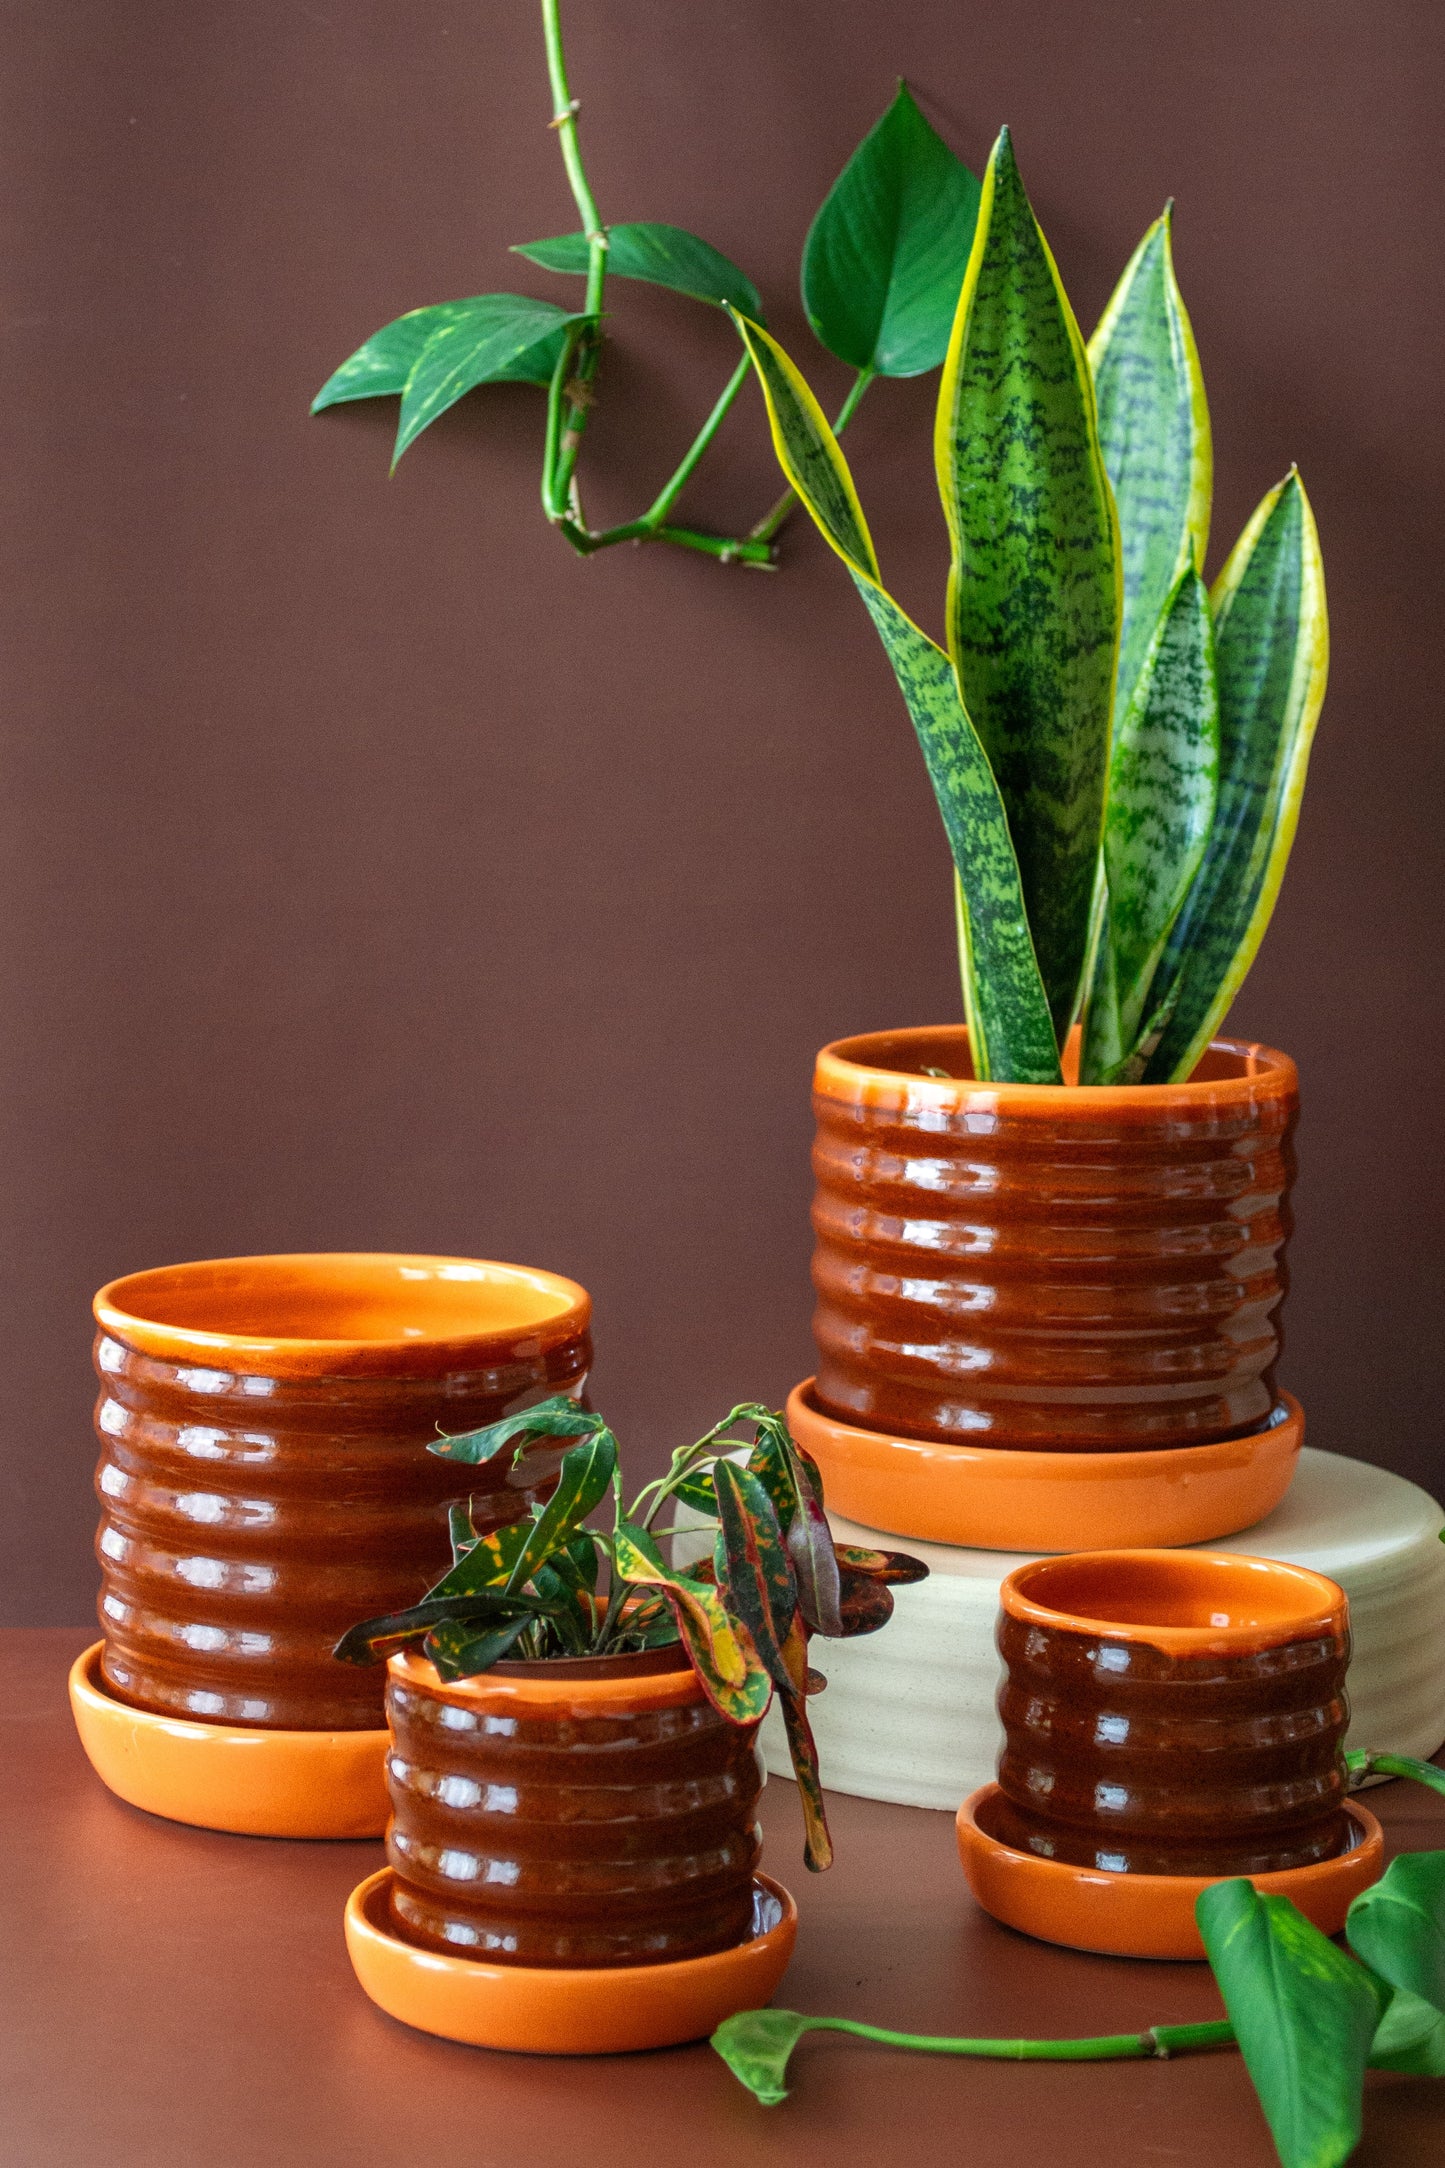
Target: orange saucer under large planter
544, 2010
992, 1499
249, 1782
1142, 1915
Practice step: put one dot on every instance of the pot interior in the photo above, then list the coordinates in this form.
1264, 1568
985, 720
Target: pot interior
929, 1048
347, 1297
1214, 1596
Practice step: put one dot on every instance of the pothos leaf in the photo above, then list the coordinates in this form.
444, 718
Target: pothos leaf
1398, 1925
1410, 2037
756, 2045
558, 1417
657, 254
383, 365
476, 349
1304, 2015
884, 258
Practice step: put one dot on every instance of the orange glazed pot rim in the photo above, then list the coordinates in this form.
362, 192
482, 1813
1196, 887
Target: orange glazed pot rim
865, 1070
555, 1687
340, 1313
1185, 1602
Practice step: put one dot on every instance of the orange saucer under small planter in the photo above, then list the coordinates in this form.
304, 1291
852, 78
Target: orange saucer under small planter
993, 1499
251, 1783
1142, 1915
608, 2010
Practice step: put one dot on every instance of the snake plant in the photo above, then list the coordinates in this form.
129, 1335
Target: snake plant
743, 1615
1117, 752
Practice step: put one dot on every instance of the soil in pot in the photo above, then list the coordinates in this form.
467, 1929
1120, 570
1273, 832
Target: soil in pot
571, 1814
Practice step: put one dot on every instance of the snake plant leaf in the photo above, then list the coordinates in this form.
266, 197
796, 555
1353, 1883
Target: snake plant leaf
478, 348
729, 1669
884, 257
659, 255
1163, 789
583, 1481
1034, 589
1304, 2015
1154, 434
1012, 1036
1271, 641
758, 1579
460, 1652
1398, 1926
384, 363
557, 1417
756, 2045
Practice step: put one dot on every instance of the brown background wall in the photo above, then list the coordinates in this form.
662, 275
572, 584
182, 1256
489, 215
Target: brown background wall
377, 874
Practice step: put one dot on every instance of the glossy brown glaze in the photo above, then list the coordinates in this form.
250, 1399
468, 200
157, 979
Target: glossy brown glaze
1193, 1728
1044, 1266
587, 1814
251, 1514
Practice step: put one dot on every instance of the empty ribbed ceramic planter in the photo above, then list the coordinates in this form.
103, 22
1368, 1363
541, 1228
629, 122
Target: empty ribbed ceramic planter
570, 1815
264, 1479
1049, 1267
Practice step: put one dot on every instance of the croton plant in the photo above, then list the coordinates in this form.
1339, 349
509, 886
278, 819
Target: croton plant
551, 1587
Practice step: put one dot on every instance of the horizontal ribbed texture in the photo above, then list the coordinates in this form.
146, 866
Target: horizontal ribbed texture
547, 1835
248, 1521
1035, 1268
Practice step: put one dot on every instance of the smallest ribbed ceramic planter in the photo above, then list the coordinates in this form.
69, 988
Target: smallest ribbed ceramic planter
573, 1859
1170, 1718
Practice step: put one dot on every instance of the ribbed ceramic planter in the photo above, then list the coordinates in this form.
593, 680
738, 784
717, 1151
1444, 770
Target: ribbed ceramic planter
577, 1815
1048, 1266
1170, 1718
264, 1479
1172, 1712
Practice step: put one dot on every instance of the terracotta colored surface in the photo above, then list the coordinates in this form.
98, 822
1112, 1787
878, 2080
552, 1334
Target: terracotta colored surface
990, 1498
602, 1818
1046, 1267
1139, 1915
208, 1980
227, 1776
264, 1479
1171, 1712
555, 2011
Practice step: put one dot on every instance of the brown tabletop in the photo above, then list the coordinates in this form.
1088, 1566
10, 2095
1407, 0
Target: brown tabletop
177, 1999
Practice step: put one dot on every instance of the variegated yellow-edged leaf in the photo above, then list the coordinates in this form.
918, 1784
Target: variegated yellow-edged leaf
1163, 787
728, 1666
1034, 589
1008, 1012
1271, 636
1154, 434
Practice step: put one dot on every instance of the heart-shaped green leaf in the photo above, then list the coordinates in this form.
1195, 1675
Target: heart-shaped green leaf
885, 256
1304, 2015
660, 255
1272, 648
1398, 1926
383, 365
478, 348
756, 2045
1010, 1029
1154, 434
558, 1417
1163, 788
1034, 591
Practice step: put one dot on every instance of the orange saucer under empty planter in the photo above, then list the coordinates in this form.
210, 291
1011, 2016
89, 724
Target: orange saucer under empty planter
994, 1499
251, 1783
610, 2010
1143, 1915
